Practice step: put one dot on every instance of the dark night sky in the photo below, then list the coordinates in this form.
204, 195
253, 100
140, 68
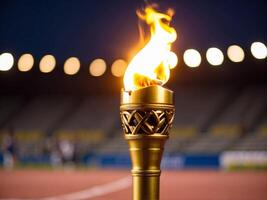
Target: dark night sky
101, 28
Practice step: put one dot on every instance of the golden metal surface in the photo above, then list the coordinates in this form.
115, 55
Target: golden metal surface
147, 116
148, 121
149, 95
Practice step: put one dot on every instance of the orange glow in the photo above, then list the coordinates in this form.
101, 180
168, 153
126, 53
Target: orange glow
118, 67
25, 62
72, 66
151, 65
47, 64
98, 67
235, 53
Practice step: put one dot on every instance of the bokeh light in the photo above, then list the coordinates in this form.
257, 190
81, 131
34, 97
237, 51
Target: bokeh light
25, 62
172, 60
214, 56
47, 63
6, 61
258, 50
192, 58
118, 67
97, 67
72, 66
235, 53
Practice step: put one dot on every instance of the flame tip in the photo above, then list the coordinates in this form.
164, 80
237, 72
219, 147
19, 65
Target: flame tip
151, 64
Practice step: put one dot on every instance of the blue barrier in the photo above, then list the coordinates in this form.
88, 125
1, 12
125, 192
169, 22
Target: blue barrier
172, 161
114, 160
1, 158
201, 161
176, 161
44, 159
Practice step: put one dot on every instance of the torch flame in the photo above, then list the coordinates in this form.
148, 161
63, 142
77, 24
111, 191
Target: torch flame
150, 66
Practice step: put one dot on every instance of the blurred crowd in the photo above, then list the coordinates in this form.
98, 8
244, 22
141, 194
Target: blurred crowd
59, 152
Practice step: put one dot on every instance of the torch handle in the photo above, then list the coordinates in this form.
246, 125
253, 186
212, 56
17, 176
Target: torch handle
145, 186
146, 154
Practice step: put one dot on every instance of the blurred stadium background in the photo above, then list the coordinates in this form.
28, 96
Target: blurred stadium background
61, 68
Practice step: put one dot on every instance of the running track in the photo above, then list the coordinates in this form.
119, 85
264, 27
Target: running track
116, 184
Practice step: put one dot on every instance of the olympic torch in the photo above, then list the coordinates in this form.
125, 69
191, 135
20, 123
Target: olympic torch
147, 108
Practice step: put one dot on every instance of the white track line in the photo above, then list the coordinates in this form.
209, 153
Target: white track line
96, 191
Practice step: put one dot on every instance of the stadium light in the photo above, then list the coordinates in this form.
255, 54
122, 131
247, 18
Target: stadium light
6, 61
47, 63
97, 67
235, 53
192, 58
258, 50
25, 62
118, 67
214, 56
172, 59
72, 66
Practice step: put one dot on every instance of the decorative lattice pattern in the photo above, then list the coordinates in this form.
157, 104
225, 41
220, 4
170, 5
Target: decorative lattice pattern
148, 122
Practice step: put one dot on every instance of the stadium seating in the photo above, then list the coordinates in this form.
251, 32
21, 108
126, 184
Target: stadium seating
93, 113
114, 145
242, 113
195, 106
236, 119
9, 106
251, 142
40, 113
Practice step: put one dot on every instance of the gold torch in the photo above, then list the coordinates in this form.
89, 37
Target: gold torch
147, 109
